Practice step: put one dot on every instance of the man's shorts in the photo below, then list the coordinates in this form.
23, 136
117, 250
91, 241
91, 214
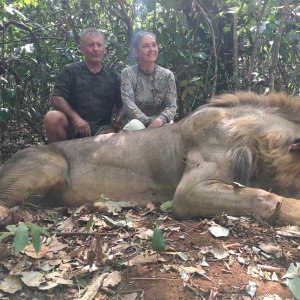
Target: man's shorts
95, 130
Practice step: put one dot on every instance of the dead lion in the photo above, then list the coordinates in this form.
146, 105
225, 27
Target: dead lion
200, 162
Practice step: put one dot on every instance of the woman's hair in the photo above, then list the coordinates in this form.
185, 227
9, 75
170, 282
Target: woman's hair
138, 36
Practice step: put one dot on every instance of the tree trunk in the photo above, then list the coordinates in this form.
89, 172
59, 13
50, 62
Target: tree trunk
259, 19
276, 46
235, 53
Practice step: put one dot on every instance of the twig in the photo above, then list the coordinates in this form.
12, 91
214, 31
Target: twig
226, 271
235, 245
150, 278
66, 234
94, 286
270, 268
24, 27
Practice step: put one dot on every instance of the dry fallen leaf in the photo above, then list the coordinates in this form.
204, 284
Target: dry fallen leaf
141, 260
112, 279
32, 278
271, 249
11, 284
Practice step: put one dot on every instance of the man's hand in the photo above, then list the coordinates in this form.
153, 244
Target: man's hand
118, 124
119, 121
82, 127
158, 122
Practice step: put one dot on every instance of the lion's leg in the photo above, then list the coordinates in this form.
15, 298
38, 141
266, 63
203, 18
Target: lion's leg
30, 174
196, 196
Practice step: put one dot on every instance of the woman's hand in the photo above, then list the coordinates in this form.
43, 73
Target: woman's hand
158, 122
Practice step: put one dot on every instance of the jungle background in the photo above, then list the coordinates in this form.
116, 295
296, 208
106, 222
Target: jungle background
211, 46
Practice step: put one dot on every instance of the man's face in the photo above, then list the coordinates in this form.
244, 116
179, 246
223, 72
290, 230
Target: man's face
93, 48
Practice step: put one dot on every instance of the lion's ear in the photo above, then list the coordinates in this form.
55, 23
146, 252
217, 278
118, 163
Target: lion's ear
296, 145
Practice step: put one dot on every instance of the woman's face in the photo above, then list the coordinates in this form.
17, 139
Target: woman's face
147, 50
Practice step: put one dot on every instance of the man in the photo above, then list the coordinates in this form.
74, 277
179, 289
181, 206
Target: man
85, 94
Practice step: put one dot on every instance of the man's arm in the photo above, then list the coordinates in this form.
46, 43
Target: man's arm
120, 115
81, 126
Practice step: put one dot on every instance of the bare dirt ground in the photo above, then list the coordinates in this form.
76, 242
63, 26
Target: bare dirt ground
105, 252
195, 264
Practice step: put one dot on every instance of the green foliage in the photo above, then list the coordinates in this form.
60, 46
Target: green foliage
158, 240
25, 233
166, 206
89, 224
21, 238
293, 279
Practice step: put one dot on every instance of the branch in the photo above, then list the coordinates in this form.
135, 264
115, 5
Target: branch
211, 27
235, 51
126, 19
75, 34
12, 71
259, 19
37, 45
30, 40
276, 46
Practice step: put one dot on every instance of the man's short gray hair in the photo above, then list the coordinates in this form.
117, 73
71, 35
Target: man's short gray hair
91, 30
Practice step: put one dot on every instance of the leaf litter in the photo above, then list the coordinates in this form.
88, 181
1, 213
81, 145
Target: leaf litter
107, 252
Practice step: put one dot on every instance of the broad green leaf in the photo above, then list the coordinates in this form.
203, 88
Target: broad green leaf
158, 240
293, 36
184, 83
4, 113
4, 235
195, 79
109, 221
12, 228
102, 198
14, 11
178, 39
36, 229
89, 224
21, 238
201, 55
11, 231
293, 279
251, 288
166, 205
36, 242
294, 286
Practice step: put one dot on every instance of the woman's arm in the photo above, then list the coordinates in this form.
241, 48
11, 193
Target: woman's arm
128, 81
168, 114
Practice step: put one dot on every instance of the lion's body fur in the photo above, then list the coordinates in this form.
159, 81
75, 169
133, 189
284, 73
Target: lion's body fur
243, 137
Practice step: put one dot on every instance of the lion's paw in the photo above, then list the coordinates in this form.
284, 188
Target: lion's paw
6, 216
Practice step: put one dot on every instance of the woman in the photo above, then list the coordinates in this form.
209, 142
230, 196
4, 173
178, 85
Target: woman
148, 91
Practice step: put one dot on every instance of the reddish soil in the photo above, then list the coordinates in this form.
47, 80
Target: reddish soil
151, 277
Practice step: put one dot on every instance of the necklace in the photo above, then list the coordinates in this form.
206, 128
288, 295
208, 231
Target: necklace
152, 88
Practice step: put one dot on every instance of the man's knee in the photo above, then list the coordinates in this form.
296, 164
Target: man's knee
57, 126
55, 118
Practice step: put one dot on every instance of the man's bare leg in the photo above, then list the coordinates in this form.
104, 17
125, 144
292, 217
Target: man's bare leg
56, 126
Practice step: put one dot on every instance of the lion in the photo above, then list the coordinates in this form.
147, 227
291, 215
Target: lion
237, 155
